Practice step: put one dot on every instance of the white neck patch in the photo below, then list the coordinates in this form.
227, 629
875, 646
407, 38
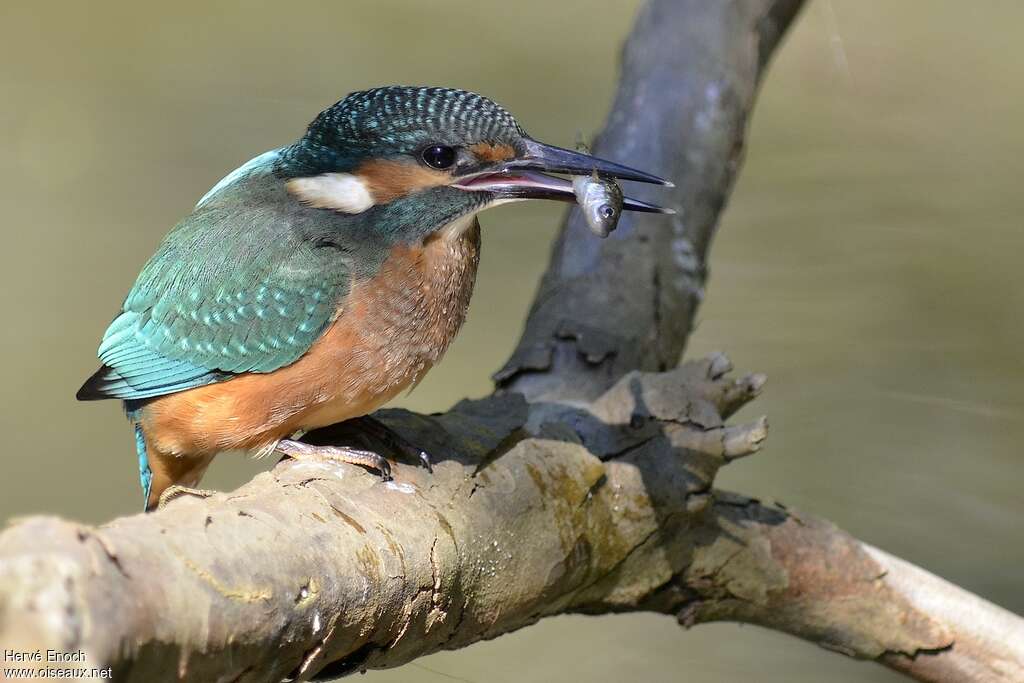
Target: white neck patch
343, 192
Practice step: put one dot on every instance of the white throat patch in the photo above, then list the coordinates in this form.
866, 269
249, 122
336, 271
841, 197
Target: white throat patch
455, 229
343, 192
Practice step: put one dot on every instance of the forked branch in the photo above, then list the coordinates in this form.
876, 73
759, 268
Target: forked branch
585, 484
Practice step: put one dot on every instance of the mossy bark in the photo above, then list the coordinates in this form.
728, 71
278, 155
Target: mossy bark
584, 484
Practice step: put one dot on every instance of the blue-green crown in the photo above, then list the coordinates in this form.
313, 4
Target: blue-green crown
398, 120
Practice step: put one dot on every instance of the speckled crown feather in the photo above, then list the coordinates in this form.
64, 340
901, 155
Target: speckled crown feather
388, 112
399, 119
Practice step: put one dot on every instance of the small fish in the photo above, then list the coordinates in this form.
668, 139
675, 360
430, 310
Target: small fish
599, 198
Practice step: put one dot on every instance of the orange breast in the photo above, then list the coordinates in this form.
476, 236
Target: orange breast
388, 332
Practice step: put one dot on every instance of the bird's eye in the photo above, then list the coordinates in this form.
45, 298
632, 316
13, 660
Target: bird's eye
439, 156
606, 211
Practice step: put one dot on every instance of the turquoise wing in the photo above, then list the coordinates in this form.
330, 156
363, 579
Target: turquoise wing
231, 290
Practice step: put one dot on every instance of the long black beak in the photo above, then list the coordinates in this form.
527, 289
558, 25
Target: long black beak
541, 157
518, 179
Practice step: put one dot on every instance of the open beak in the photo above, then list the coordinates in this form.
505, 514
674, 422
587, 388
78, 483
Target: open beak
518, 178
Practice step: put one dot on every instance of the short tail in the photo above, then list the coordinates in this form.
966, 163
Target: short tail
145, 472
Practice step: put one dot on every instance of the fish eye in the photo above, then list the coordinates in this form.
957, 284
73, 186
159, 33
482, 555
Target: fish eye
606, 211
438, 156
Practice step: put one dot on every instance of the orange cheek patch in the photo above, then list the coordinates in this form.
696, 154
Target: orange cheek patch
486, 151
387, 179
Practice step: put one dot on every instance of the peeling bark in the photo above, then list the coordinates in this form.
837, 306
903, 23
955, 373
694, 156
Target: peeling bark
584, 484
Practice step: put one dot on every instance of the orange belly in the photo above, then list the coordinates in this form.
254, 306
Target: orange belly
388, 332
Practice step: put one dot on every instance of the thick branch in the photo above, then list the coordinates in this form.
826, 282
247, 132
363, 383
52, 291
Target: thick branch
767, 565
317, 569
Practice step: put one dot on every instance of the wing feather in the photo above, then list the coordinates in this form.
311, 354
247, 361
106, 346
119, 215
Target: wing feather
234, 288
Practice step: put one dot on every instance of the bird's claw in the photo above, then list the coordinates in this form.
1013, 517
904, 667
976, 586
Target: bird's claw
380, 432
175, 491
300, 450
425, 461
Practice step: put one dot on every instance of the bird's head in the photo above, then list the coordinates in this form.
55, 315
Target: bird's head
441, 152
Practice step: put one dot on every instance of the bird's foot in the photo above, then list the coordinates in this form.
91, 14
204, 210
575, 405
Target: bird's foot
388, 437
299, 450
174, 491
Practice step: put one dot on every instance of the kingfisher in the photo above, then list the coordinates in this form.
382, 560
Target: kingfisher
318, 280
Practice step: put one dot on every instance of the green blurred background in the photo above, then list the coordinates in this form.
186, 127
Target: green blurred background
869, 261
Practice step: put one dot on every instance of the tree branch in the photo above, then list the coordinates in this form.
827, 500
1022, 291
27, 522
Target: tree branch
766, 565
690, 73
585, 484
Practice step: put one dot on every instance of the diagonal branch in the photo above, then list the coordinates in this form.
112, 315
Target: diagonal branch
690, 74
585, 484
